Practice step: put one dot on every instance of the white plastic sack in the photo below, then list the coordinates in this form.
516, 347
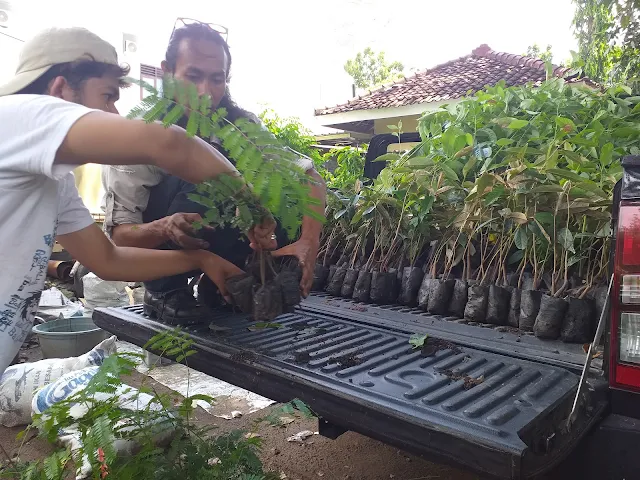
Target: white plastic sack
103, 293
128, 398
19, 382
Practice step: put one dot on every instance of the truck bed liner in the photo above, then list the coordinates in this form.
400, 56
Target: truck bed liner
494, 413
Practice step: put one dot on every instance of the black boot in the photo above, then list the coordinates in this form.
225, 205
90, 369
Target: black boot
209, 295
176, 307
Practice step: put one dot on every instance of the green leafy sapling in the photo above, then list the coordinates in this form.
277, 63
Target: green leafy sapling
271, 183
270, 186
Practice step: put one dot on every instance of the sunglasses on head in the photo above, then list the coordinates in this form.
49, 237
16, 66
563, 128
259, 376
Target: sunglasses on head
183, 21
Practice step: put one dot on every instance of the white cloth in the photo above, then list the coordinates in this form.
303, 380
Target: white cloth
37, 200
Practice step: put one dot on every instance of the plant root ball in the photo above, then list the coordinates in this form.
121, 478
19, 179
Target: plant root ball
267, 302
459, 298
320, 275
290, 286
362, 287
411, 281
476, 308
349, 283
240, 290
334, 287
550, 316
578, 323
439, 296
529, 307
498, 305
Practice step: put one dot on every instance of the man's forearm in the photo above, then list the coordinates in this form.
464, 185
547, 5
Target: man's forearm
92, 248
140, 265
109, 139
145, 235
311, 228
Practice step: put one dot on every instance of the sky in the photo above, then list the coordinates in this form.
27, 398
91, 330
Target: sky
289, 55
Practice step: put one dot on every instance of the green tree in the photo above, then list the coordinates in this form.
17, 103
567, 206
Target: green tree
535, 51
608, 34
291, 132
370, 69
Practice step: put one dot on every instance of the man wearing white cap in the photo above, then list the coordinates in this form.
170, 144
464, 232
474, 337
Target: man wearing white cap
56, 113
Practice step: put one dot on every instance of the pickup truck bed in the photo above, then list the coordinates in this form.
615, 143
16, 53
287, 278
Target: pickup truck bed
490, 400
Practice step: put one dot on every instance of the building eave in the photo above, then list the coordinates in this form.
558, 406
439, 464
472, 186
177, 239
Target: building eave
378, 113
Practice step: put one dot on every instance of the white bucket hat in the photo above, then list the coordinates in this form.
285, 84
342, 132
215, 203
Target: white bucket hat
53, 47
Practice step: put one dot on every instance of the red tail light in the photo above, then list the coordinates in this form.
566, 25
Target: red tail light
625, 301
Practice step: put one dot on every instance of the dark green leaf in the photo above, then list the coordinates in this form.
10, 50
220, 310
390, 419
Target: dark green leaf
387, 157
565, 238
518, 124
420, 162
521, 239
545, 218
515, 257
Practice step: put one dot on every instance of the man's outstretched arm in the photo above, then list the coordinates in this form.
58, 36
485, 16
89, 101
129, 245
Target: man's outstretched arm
110, 139
92, 248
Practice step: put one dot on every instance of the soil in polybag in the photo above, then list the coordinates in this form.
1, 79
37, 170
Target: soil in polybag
362, 287
320, 275
267, 302
513, 319
425, 291
332, 272
498, 305
600, 297
550, 316
440, 296
529, 307
290, 287
577, 326
240, 290
527, 282
476, 308
512, 279
394, 284
411, 281
381, 291
334, 286
458, 300
349, 282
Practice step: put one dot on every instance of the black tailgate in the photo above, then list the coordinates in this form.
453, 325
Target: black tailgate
491, 412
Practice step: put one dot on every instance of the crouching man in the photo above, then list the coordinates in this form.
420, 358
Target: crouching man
56, 113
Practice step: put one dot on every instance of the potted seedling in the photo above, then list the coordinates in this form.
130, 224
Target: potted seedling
271, 186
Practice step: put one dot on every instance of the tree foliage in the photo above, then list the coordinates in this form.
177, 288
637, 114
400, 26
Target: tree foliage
608, 33
535, 51
349, 160
370, 69
292, 133
347, 175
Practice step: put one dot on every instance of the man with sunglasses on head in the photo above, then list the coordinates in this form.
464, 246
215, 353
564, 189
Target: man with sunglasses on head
58, 112
147, 207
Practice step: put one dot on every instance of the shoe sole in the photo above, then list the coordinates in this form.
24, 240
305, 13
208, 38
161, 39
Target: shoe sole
152, 312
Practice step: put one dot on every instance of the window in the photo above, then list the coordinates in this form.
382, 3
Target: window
152, 76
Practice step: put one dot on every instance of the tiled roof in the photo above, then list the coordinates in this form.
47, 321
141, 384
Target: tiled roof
452, 80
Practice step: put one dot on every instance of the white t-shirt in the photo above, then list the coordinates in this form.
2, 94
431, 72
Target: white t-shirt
37, 200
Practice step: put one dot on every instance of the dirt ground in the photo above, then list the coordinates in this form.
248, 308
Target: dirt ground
351, 456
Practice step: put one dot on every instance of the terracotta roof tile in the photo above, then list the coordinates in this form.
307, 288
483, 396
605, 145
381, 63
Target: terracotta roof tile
454, 79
